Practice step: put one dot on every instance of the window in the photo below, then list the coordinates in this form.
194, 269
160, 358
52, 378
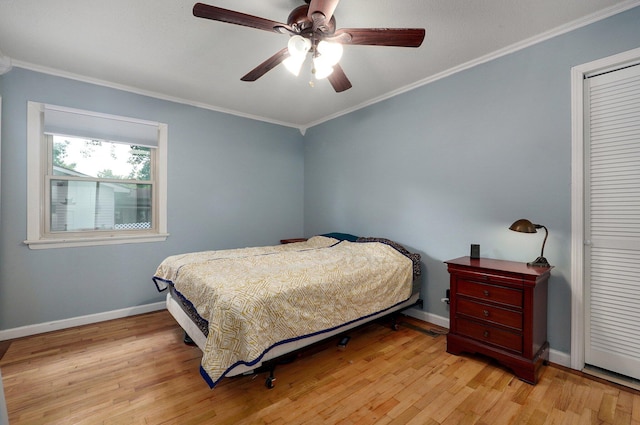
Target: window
94, 179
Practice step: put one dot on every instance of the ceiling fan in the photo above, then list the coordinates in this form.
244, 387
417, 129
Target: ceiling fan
312, 29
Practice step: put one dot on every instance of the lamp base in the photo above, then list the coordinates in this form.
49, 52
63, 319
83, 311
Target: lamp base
539, 262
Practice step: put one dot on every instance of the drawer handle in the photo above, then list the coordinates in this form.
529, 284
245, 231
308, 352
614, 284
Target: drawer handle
486, 334
486, 313
486, 293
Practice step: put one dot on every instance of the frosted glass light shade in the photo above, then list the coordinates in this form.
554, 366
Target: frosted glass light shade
322, 68
294, 64
298, 45
330, 52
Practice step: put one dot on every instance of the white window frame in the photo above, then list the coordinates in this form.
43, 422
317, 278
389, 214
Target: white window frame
37, 162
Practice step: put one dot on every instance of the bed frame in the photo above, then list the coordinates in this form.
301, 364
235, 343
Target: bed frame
269, 360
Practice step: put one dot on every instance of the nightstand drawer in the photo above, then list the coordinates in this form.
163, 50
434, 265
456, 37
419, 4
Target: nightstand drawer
491, 278
490, 335
487, 292
488, 313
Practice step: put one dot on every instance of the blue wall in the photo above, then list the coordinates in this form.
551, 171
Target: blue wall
457, 161
232, 182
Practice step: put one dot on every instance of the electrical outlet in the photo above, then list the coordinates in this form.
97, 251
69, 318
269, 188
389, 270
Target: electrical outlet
446, 298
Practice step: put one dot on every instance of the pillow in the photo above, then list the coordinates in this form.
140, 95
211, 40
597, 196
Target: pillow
341, 236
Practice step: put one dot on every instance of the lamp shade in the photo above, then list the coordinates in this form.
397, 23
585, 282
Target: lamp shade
524, 226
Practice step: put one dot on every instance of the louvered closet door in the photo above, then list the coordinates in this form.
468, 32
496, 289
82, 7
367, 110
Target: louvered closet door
612, 208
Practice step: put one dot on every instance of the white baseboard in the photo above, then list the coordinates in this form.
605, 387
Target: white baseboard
79, 321
560, 358
419, 314
555, 356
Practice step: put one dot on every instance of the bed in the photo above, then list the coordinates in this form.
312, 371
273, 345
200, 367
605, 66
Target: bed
245, 307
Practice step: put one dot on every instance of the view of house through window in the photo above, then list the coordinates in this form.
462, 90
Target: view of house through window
99, 185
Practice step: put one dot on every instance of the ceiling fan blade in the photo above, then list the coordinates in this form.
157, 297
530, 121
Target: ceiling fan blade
338, 79
206, 11
266, 66
399, 37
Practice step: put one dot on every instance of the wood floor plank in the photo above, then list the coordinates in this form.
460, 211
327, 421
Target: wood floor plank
635, 415
137, 371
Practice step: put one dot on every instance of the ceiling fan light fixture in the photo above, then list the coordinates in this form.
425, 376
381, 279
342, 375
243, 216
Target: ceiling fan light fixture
330, 52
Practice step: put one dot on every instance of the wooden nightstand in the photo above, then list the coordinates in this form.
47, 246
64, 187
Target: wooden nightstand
499, 308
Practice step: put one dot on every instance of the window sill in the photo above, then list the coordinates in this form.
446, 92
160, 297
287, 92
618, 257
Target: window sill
110, 240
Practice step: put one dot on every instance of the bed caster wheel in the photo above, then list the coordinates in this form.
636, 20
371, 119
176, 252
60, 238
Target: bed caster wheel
270, 382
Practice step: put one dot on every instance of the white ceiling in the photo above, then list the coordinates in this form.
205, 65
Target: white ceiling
158, 47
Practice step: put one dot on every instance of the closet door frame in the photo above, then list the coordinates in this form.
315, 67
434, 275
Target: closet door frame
578, 75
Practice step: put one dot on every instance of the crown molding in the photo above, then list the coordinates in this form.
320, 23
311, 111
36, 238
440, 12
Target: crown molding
131, 89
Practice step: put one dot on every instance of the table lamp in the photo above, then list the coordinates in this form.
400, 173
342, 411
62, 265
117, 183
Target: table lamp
525, 226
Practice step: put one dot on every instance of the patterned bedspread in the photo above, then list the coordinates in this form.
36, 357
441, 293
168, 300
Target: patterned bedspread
255, 298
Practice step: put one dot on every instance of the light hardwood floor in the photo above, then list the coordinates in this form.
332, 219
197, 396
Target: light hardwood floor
137, 371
